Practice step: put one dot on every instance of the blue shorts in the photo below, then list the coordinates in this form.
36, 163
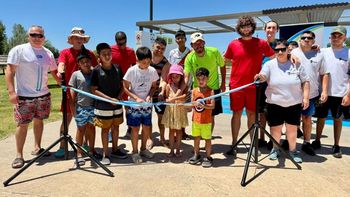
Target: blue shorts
311, 109
137, 116
84, 115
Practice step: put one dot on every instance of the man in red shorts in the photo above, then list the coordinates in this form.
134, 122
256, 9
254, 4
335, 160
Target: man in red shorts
246, 54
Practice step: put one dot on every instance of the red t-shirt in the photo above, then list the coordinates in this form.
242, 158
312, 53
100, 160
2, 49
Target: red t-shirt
246, 57
69, 58
125, 58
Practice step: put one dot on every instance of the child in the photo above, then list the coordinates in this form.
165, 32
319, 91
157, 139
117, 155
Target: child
140, 83
106, 82
202, 118
82, 106
175, 117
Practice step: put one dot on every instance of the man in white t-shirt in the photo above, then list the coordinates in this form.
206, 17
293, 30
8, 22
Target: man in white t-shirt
26, 77
312, 61
336, 59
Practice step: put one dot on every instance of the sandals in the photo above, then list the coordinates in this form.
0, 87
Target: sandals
18, 163
38, 152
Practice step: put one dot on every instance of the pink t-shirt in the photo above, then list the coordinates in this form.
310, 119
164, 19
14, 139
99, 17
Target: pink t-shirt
69, 58
246, 57
125, 58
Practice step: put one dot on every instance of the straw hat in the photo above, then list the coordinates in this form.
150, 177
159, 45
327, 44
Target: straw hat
78, 32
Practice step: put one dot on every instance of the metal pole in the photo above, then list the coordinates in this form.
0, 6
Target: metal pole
151, 12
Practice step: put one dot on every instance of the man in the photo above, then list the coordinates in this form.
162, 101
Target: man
246, 54
211, 59
178, 56
336, 59
312, 61
125, 57
29, 64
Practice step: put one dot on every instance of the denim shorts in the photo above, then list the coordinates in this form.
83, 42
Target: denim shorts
139, 115
84, 115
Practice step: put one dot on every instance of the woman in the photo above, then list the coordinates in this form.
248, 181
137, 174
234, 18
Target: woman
67, 63
287, 94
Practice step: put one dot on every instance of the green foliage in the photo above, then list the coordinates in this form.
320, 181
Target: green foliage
347, 42
55, 51
3, 39
19, 36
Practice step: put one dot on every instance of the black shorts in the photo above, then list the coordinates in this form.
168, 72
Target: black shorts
262, 100
218, 105
277, 115
333, 104
160, 108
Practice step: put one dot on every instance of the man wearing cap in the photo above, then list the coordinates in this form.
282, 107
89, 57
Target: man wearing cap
337, 61
26, 77
125, 57
245, 54
67, 63
312, 61
211, 59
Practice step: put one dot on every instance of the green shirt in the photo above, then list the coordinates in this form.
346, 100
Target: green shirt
211, 60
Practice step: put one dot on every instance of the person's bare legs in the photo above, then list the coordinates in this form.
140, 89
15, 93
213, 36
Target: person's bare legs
90, 133
250, 121
263, 125
79, 137
115, 136
135, 139
171, 141
196, 145
208, 148
291, 136
235, 125
145, 133
307, 127
276, 133
69, 119
178, 142
104, 138
337, 127
20, 135
319, 128
38, 127
161, 128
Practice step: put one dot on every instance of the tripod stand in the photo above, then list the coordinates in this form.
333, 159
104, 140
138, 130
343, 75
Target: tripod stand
66, 138
254, 144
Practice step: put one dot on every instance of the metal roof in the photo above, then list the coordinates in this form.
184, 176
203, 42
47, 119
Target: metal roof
329, 14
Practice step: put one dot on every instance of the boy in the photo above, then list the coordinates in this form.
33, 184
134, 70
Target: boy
82, 106
140, 83
202, 118
106, 82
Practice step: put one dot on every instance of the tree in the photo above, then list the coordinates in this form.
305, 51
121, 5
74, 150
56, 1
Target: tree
19, 36
3, 39
49, 46
347, 42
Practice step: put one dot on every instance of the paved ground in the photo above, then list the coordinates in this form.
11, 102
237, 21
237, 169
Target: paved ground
322, 175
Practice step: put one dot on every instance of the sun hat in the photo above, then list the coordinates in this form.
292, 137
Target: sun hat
196, 36
339, 29
175, 69
78, 32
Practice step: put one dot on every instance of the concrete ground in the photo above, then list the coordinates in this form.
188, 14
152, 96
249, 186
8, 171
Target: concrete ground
321, 175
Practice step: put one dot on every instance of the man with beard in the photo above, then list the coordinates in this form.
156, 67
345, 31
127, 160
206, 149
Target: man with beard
246, 54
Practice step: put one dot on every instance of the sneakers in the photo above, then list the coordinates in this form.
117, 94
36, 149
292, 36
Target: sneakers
186, 137
299, 133
86, 148
136, 158
274, 154
316, 144
118, 154
207, 162
194, 159
59, 153
307, 148
96, 155
337, 151
262, 143
232, 151
146, 153
106, 161
295, 156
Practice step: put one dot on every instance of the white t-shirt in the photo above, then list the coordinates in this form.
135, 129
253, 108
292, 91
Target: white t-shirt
337, 63
32, 67
284, 83
140, 80
175, 55
312, 61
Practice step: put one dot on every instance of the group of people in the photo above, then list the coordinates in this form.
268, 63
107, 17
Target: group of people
301, 81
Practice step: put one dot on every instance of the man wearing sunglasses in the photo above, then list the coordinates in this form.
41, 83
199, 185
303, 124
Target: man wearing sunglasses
312, 61
337, 61
26, 77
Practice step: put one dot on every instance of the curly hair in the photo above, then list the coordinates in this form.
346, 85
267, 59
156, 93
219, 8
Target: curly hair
245, 21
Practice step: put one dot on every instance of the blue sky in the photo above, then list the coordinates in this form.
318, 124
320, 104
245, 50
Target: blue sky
101, 19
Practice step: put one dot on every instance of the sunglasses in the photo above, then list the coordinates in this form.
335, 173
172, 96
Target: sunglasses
306, 37
34, 35
280, 49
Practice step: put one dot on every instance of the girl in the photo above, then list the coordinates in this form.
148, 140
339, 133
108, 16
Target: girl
175, 117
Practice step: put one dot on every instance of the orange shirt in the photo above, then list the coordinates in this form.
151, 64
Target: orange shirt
201, 115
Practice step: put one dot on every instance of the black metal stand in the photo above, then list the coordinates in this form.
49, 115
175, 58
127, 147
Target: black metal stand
254, 144
66, 138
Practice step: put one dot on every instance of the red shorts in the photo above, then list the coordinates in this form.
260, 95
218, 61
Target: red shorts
29, 108
243, 98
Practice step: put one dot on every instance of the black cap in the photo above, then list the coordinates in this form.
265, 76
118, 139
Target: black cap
83, 55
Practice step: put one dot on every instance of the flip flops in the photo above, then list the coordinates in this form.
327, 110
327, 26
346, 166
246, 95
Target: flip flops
38, 152
18, 163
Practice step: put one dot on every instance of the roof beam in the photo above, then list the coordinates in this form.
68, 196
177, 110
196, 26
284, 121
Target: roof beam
217, 23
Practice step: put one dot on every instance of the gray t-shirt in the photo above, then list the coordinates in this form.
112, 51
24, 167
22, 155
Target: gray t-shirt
82, 82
